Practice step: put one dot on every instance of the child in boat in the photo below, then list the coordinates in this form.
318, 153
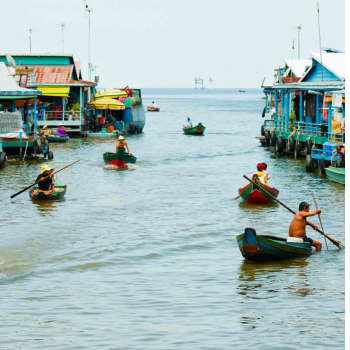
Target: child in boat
297, 227
265, 171
121, 144
48, 183
188, 124
260, 174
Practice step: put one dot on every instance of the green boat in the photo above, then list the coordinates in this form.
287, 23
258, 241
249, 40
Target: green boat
269, 248
58, 192
336, 174
119, 159
196, 130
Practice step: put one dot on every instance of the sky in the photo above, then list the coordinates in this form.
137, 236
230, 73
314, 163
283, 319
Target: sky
167, 43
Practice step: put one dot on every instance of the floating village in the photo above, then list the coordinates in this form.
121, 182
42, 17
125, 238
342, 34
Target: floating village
46, 103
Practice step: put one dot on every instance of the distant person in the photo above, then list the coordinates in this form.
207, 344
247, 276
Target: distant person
297, 227
265, 171
260, 174
48, 183
121, 144
188, 124
154, 105
60, 130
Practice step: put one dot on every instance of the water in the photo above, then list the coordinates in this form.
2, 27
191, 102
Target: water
147, 258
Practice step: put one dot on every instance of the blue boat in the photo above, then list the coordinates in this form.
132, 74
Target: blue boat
269, 248
55, 138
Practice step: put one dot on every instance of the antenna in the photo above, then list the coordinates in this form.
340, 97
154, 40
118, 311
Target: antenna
11, 61
319, 34
299, 29
30, 40
62, 25
291, 68
89, 16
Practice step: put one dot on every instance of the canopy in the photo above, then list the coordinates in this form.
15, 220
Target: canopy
106, 103
8, 86
57, 91
114, 93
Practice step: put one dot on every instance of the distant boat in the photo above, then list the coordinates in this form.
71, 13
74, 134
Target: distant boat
54, 138
241, 90
196, 130
153, 109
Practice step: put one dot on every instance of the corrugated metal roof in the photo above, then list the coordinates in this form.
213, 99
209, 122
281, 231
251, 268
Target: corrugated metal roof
334, 62
39, 55
52, 74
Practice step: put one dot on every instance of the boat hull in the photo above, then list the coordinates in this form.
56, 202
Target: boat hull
336, 174
153, 109
119, 159
52, 138
269, 248
58, 193
196, 130
252, 194
101, 134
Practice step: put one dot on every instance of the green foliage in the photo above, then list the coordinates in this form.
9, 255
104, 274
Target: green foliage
292, 117
75, 107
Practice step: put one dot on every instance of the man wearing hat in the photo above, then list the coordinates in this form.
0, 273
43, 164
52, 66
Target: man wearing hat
60, 130
189, 123
121, 144
262, 177
45, 184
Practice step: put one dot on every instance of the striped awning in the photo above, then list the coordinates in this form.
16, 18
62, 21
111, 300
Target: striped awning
106, 103
58, 91
113, 93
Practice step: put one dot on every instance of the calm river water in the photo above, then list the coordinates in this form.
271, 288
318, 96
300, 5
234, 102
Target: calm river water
147, 258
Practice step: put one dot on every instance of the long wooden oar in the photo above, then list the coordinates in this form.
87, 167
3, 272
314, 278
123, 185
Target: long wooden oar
334, 241
25, 189
319, 216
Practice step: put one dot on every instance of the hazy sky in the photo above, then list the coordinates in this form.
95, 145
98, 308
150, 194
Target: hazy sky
166, 43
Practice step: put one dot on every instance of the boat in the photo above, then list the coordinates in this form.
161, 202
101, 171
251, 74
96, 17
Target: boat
102, 134
336, 174
153, 109
241, 90
270, 248
58, 192
196, 130
252, 194
55, 138
119, 159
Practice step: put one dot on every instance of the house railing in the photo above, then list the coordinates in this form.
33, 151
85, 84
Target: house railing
60, 116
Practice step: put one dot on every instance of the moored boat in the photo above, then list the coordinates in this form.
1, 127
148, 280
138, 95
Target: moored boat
119, 159
55, 138
102, 134
196, 130
263, 248
59, 191
336, 174
252, 194
153, 109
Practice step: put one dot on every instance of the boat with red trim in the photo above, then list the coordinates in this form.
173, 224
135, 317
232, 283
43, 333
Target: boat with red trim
119, 159
252, 194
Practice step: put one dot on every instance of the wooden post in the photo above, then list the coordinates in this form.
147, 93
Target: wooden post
301, 111
329, 120
80, 102
34, 118
317, 109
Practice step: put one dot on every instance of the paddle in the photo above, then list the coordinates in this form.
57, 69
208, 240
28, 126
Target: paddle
319, 216
334, 241
237, 197
25, 189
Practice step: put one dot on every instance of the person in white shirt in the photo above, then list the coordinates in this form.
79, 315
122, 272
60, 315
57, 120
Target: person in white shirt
154, 105
189, 123
265, 171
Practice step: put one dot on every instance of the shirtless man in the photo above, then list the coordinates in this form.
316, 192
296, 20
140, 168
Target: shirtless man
121, 144
297, 226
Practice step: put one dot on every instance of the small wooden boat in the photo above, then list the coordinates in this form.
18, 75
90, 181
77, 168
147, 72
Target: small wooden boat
252, 194
119, 159
336, 174
101, 134
270, 248
55, 138
58, 192
196, 130
153, 109
241, 90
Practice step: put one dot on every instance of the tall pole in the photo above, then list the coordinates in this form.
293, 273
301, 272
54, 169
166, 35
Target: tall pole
319, 34
299, 29
89, 15
30, 40
62, 25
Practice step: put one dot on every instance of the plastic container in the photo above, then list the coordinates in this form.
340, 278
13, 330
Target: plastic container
127, 116
101, 120
128, 102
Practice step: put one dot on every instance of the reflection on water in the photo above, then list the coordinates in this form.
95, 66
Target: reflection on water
46, 207
249, 207
263, 280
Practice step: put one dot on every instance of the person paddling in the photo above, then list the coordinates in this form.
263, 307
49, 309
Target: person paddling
189, 123
262, 177
121, 144
297, 227
48, 183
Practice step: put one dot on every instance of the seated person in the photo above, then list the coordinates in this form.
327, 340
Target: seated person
60, 130
188, 124
154, 105
262, 177
121, 144
48, 183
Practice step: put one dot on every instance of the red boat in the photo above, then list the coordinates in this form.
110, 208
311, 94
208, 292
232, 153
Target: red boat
252, 194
